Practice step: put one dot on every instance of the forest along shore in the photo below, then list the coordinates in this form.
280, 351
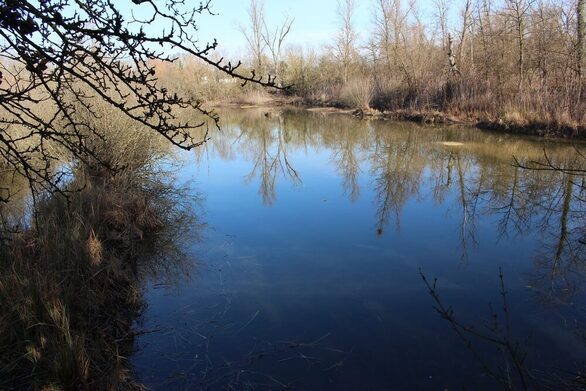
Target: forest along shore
514, 66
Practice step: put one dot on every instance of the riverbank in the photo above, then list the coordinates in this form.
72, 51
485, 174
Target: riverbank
74, 265
510, 123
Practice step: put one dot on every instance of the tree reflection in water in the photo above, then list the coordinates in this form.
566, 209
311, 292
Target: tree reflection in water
399, 157
473, 173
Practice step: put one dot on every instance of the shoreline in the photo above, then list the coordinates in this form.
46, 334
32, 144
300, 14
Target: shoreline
426, 117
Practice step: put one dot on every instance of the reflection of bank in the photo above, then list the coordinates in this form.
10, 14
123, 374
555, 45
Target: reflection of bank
270, 158
71, 282
560, 263
473, 169
306, 264
396, 166
556, 280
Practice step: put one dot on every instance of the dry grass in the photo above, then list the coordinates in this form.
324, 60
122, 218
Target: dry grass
70, 283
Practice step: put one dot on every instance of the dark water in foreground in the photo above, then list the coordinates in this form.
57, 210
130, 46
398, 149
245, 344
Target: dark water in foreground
308, 272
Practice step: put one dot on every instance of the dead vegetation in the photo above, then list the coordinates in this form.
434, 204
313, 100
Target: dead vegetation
514, 66
71, 277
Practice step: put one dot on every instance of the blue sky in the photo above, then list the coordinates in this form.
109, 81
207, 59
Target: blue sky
315, 21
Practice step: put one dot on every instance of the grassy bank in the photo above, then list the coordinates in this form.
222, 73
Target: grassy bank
510, 123
71, 281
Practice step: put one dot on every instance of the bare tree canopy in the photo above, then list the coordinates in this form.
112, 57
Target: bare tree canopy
345, 41
274, 40
63, 54
260, 36
254, 32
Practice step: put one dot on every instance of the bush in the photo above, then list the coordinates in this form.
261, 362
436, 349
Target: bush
358, 93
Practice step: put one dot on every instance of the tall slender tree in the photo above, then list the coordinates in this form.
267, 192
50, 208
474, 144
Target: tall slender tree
274, 40
579, 45
253, 33
345, 46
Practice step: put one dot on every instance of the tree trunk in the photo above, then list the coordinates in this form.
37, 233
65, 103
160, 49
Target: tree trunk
579, 47
466, 17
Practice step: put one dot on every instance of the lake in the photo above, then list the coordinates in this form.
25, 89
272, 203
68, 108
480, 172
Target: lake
307, 273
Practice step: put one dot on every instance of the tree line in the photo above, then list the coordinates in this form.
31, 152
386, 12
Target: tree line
517, 61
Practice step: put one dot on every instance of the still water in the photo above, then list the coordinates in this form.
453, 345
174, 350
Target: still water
308, 272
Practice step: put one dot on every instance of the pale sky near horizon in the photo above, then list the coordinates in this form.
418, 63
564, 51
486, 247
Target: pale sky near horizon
316, 21
314, 25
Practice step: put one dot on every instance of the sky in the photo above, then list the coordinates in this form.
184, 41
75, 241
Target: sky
315, 21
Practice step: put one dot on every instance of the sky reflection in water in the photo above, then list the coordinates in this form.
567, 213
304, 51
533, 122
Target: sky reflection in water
318, 225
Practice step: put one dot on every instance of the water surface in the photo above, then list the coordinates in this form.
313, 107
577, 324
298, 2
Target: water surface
308, 274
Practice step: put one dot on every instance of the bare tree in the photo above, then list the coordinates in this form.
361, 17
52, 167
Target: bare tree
517, 10
465, 26
254, 33
391, 33
579, 45
345, 46
57, 56
442, 8
452, 58
274, 40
